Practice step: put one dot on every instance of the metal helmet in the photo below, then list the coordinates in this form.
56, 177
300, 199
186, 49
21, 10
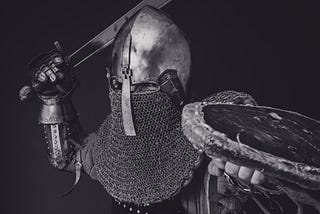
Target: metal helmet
149, 50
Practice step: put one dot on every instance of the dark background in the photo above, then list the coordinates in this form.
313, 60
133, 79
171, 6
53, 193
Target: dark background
268, 49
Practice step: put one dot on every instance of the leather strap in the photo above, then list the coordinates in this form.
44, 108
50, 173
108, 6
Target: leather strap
200, 196
211, 191
78, 166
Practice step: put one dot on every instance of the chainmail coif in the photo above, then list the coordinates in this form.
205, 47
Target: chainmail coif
151, 166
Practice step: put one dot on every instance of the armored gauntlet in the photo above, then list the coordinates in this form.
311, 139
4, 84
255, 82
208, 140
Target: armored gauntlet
54, 82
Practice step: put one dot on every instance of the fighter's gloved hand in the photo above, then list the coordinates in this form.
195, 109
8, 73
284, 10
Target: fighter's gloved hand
217, 167
51, 75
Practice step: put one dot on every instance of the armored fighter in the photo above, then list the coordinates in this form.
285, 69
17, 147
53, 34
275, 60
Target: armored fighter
140, 154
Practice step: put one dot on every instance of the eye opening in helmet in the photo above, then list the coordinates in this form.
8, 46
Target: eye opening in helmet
140, 87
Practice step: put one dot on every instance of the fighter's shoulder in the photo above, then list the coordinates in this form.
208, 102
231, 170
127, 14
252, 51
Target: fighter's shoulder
233, 97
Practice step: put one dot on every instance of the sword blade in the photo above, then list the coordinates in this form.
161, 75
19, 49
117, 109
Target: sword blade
106, 37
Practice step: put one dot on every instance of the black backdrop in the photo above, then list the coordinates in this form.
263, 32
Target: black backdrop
268, 49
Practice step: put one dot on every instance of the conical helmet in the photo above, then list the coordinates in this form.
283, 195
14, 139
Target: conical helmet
150, 50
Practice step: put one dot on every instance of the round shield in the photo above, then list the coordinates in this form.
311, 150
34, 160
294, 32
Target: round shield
282, 144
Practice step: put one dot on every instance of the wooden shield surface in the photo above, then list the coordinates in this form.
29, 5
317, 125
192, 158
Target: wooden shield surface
280, 143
